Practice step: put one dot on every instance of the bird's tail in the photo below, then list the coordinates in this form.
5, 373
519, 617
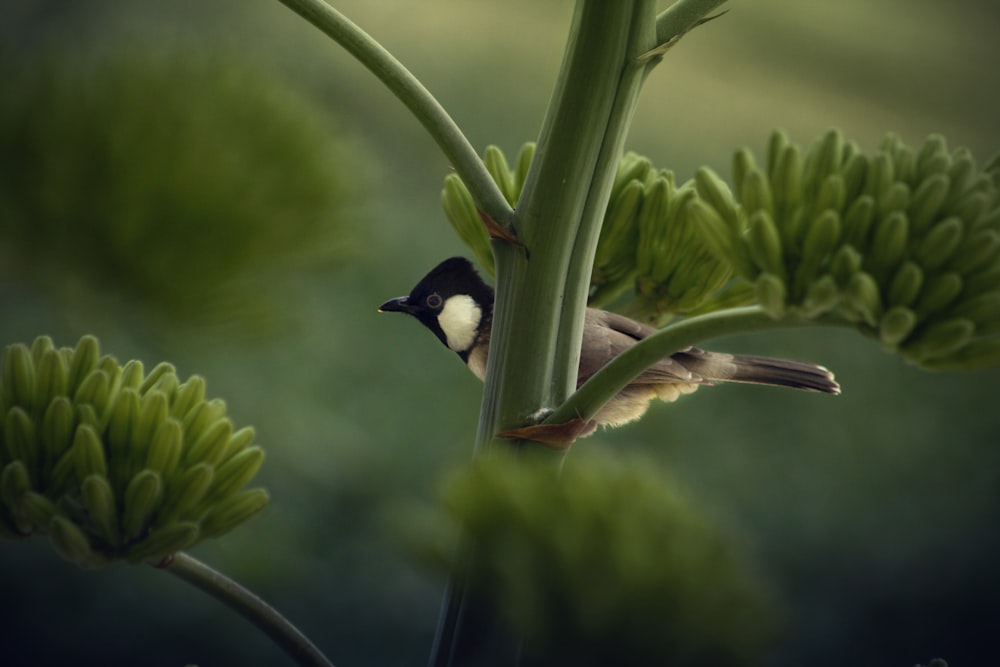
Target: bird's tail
722, 367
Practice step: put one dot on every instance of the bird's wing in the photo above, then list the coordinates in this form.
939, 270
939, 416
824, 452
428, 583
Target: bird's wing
606, 335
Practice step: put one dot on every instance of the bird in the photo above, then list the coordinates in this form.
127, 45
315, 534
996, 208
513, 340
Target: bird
456, 305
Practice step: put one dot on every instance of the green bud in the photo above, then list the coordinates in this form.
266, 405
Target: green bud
764, 244
904, 162
51, 378
496, 165
187, 490
743, 164
208, 448
465, 221
896, 325
632, 167
832, 194
237, 472
153, 410
15, 481
201, 418
39, 347
165, 448
20, 438
84, 360
976, 355
894, 200
888, 245
906, 284
927, 202
777, 144
63, 477
523, 162
164, 541
720, 240
846, 261
88, 452
863, 296
785, 172
933, 157
771, 294
972, 207
72, 544
940, 339
189, 395
155, 376
939, 293
823, 158
820, 242
879, 177
616, 245
133, 375
714, 192
653, 228
58, 423
756, 194
122, 447
142, 499
99, 500
18, 384
853, 174
979, 250
984, 280
940, 243
38, 509
85, 414
239, 441
94, 390
233, 511
983, 309
857, 221
822, 296
939, 164
962, 173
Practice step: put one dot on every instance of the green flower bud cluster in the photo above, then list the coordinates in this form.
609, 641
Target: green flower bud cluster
647, 244
608, 564
113, 463
461, 210
903, 243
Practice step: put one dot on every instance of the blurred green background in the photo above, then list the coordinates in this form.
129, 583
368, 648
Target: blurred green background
218, 185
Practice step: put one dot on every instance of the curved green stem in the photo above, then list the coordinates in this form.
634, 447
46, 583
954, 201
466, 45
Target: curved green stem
624, 368
236, 597
417, 99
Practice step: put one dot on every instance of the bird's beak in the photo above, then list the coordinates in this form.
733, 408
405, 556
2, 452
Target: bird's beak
400, 304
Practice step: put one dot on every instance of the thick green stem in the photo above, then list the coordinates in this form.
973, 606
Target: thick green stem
264, 616
417, 99
536, 307
624, 368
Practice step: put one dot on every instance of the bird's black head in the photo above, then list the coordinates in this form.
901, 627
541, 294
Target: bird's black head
452, 301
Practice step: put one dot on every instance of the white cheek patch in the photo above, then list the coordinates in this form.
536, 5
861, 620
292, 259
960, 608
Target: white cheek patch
459, 320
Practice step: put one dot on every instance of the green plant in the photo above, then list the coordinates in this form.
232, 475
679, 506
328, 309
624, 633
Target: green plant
822, 236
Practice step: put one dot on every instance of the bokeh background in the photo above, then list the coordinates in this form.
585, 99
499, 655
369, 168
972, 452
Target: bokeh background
219, 185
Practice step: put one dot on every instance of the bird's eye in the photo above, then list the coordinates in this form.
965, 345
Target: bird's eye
434, 301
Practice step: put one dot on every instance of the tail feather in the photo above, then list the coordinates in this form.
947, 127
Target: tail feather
718, 366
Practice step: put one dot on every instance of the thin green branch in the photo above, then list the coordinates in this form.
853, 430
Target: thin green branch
681, 17
624, 368
264, 616
417, 99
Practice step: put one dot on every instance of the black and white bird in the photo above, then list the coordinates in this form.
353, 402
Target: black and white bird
457, 306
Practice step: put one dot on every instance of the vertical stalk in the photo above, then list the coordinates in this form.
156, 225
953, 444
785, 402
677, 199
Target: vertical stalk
542, 288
